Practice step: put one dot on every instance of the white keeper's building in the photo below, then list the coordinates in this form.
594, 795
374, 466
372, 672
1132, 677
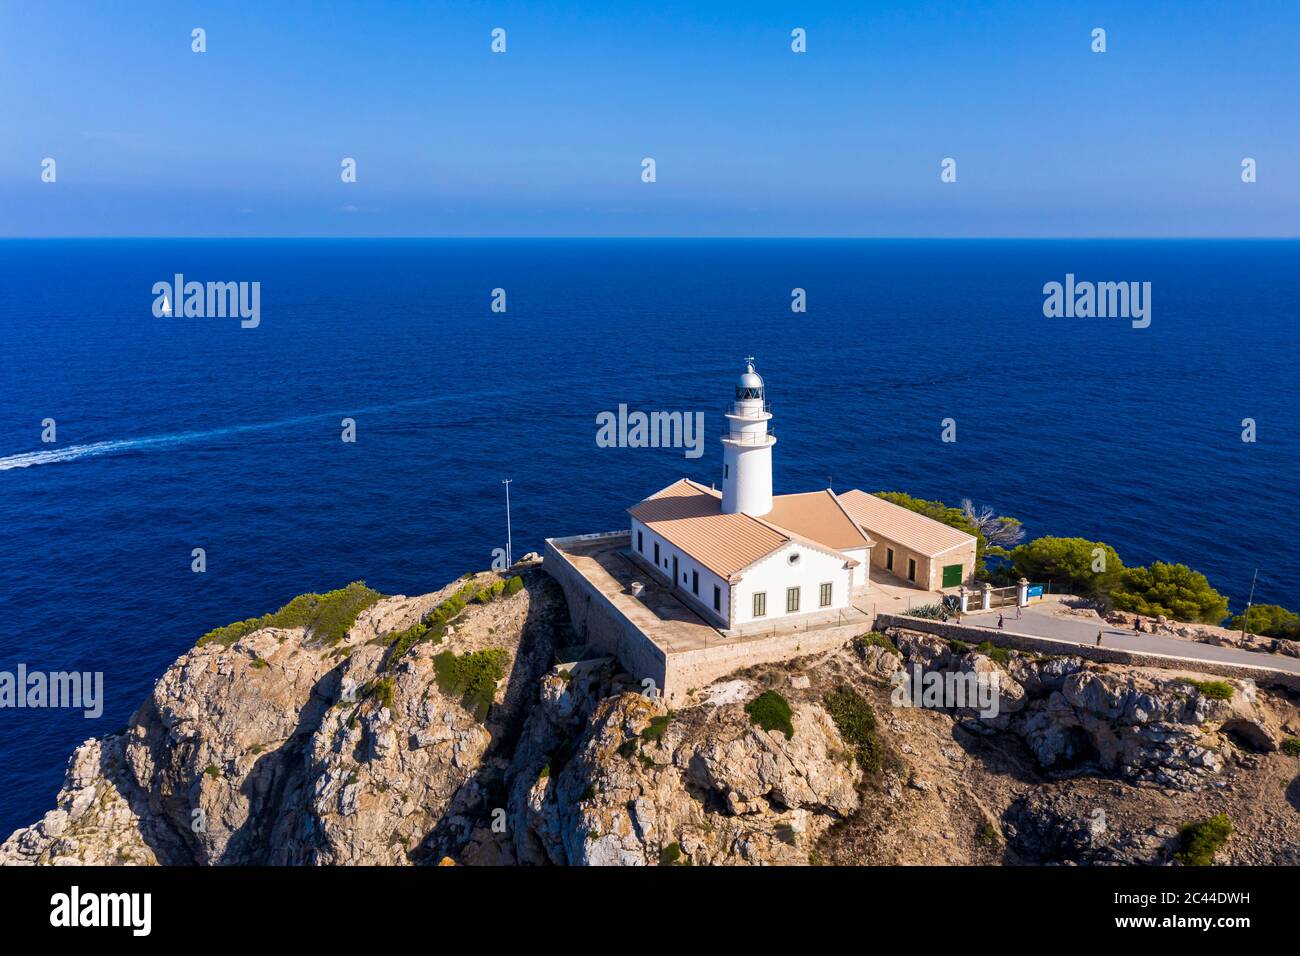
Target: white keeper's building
743, 555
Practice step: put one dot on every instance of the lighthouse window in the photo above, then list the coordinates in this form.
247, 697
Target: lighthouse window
826, 595
717, 598
656, 553
742, 394
791, 600
726, 471
760, 603
640, 543
695, 582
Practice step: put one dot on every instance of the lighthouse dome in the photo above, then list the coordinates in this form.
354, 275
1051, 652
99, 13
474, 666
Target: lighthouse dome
750, 383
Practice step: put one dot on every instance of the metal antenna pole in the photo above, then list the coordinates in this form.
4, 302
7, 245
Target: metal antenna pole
509, 543
1245, 618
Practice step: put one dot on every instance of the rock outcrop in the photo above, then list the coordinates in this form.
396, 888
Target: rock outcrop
388, 747
1144, 726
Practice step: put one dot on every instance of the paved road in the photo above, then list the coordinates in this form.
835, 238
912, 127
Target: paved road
1040, 623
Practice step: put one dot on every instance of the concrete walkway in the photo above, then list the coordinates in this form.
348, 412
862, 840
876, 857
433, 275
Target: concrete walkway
1042, 623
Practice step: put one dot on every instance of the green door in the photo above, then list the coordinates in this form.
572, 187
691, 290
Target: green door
952, 575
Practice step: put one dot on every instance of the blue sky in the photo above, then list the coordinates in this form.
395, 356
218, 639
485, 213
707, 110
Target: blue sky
750, 139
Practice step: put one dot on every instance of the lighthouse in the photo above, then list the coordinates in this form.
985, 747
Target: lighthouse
747, 449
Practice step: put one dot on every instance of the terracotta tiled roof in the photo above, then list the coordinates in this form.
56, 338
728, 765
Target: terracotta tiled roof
884, 519
690, 516
818, 516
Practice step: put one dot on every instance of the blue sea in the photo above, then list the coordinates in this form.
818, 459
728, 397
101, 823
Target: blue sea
228, 439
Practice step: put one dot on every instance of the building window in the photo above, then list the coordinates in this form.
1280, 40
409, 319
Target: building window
826, 595
656, 553
640, 542
695, 583
760, 603
717, 598
726, 472
889, 559
791, 600
911, 569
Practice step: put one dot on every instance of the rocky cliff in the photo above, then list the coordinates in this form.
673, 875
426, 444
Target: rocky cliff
443, 728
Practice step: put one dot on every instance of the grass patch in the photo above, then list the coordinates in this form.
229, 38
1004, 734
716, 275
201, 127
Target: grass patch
671, 855
471, 677
876, 639
856, 722
771, 711
1213, 689
655, 731
212, 771
960, 647
1201, 841
433, 627
326, 617
1291, 746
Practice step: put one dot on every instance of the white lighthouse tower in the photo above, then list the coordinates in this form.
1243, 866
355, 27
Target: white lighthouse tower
747, 449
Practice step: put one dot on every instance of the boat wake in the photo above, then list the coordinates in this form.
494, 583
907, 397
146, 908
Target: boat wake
94, 449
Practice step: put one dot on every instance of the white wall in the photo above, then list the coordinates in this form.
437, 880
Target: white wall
775, 573
859, 575
703, 603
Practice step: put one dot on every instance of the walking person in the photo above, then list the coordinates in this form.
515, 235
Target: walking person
1019, 616
1137, 624
1099, 638
999, 620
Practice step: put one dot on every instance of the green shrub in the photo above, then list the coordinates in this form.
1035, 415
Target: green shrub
987, 835
514, 585
471, 677
1201, 841
771, 711
999, 654
1174, 590
326, 617
929, 612
383, 692
1291, 747
1213, 689
1069, 562
1269, 620
856, 722
211, 770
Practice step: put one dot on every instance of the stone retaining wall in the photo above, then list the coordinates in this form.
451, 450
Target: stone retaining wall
1103, 655
603, 627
